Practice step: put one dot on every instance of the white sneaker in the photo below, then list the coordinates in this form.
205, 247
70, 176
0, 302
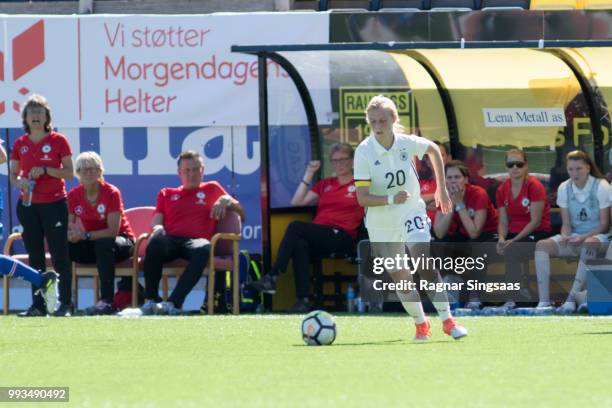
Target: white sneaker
49, 290
567, 308
130, 312
583, 308
543, 305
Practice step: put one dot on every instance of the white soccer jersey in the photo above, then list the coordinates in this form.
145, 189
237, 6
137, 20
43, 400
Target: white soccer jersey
391, 171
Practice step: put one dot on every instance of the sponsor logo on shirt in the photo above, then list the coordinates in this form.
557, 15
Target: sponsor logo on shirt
24, 149
525, 202
78, 210
403, 156
46, 149
352, 188
377, 163
471, 212
200, 195
174, 197
101, 210
327, 189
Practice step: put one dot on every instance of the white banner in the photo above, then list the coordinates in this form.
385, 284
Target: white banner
524, 117
124, 71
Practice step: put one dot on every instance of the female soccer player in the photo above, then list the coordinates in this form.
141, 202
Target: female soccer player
387, 185
584, 200
45, 283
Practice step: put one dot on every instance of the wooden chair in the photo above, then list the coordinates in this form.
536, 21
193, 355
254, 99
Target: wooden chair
8, 247
224, 254
140, 221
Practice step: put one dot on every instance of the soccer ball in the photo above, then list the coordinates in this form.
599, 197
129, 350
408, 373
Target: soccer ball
318, 328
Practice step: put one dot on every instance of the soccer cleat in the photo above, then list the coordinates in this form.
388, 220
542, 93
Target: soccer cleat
543, 305
267, 284
100, 308
454, 329
567, 308
423, 331
63, 310
166, 309
49, 290
32, 311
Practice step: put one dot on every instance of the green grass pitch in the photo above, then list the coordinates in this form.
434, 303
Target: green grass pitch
261, 361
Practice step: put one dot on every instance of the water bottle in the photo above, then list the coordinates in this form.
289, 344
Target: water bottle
361, 305
350, 299
27, 195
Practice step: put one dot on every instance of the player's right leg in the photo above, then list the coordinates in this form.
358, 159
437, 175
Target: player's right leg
45, 282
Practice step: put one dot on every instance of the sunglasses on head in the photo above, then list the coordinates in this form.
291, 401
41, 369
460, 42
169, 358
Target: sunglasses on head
517, 164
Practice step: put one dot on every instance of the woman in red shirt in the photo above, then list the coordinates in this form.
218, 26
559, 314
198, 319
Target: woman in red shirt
474, 219
333, 230
524, 216
41, 160
98, 229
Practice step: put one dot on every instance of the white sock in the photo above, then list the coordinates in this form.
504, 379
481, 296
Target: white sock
440, 300
580, 279
542, 264
412, 304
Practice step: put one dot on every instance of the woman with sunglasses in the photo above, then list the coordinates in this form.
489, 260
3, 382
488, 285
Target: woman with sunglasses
584, 200
524, 216
333, 229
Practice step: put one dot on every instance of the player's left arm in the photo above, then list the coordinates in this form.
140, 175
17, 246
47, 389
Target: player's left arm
113, 220
536, 211
65, 172
224, 203
442, 198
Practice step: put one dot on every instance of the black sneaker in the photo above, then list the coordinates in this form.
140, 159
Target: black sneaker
63, 310
301, 306
32, 311
267, 284
100, 308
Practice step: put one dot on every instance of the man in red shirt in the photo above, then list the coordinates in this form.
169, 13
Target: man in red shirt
184, 222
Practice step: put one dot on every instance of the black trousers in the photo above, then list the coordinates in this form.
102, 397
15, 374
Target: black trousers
304, 240
47, 221
166, 248
105, 253
518, 255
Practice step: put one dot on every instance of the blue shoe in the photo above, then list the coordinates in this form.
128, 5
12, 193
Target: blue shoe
167, 309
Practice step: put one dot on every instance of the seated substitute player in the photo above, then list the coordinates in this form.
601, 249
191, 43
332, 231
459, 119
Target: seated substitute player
333, 229
388, 187
184, 221
524, 217
584, 200
98, 230
474, 219
45, 283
